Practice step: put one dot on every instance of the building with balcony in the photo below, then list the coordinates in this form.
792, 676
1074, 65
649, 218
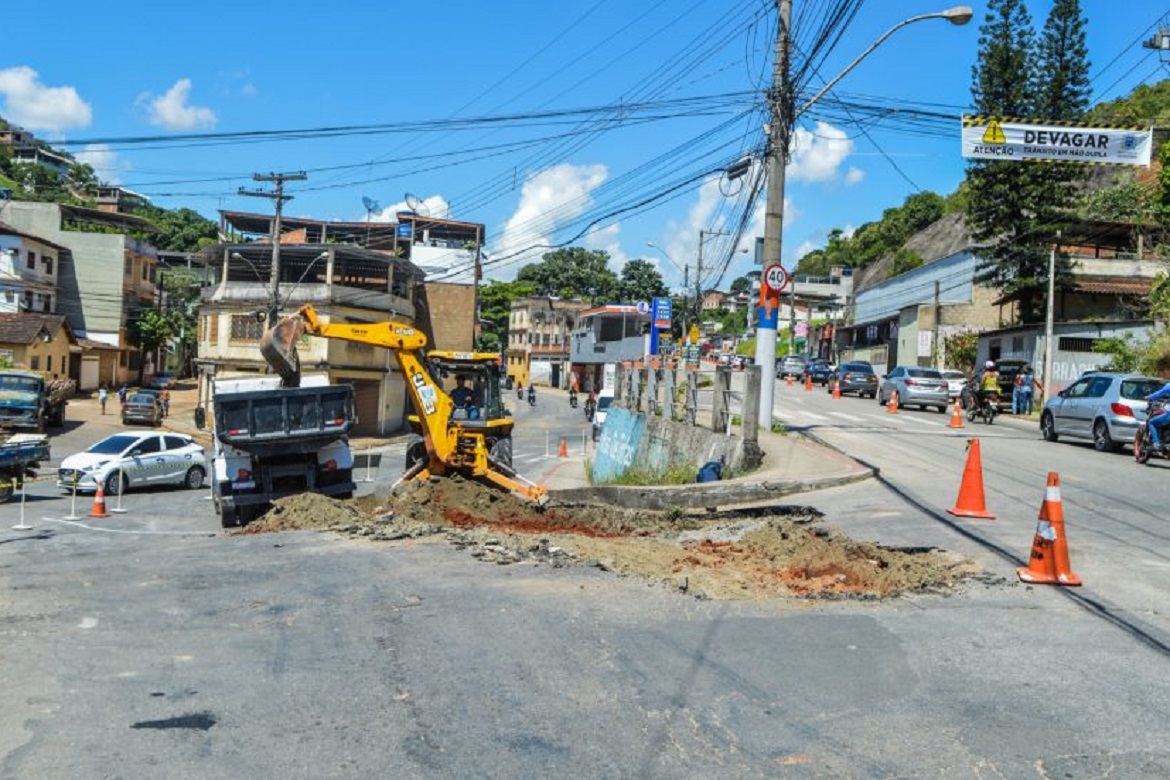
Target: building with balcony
344, 283
105, 277
607, 335
119, 200
539, 331
28, 272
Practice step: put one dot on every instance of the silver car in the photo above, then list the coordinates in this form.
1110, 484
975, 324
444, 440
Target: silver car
1103, 407
921, 387
793, 366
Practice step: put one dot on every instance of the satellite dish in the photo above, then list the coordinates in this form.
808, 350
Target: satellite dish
371, 206
415, 204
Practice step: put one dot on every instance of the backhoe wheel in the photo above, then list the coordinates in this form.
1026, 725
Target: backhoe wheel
501, 451
416, 452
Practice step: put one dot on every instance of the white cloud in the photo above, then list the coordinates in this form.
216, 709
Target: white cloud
34, 106
853, 176
430, 206
808, 246
105, 162
547, 200
172, 112
817, 154
608, 239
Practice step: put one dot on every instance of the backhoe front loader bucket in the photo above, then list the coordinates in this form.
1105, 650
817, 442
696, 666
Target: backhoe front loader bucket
278, 345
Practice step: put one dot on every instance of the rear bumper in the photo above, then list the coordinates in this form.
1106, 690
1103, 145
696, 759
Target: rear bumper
921, 397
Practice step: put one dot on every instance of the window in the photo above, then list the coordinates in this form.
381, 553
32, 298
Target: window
1077, 390
28, 301
48, 261
174, 442
127, 267
35, 362
1097, 387
245, 327
145, 272
1074, 344
46, 302
147, 446
32, 259
1138, 389
48, 362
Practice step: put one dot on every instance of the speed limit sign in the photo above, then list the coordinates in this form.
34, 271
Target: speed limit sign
776, 277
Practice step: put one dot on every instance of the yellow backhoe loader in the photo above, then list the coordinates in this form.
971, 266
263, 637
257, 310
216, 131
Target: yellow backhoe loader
463, 432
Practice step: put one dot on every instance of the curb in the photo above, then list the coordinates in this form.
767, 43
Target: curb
705, 495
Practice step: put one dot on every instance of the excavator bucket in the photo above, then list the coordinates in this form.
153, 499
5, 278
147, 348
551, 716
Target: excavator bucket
278, 345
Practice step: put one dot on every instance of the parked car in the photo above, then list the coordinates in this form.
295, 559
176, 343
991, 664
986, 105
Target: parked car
916, 386
604, 401
819, 370
141, 458
1104, 407
162, 381
855, 377
955, 380
142, 408
792, 365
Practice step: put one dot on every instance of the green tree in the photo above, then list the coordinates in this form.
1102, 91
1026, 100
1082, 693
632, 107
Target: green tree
960, 350
641, 281
1148, 104
495, 308
741, 284
149, 330
573, 272
180, 230
1007, 205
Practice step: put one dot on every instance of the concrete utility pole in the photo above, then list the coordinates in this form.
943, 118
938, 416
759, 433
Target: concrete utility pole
279, 198
1048, 326
778, 127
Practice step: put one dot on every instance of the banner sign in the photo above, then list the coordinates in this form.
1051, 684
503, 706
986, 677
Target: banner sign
661, 315
993, 138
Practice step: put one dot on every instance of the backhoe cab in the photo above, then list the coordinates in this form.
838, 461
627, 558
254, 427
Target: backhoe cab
460, 423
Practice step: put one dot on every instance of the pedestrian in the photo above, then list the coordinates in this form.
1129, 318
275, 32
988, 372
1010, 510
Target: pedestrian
122, 393
165, 400
1027, 390
1018, 393
103, 396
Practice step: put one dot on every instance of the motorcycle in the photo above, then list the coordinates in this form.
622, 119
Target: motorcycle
573, 400
531, 397
1143, 444
590, 410
987, 408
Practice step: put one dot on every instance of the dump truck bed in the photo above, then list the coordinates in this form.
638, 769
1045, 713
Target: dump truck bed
284, 420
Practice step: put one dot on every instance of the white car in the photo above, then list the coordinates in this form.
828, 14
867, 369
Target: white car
604, 401
955, 381
133, 459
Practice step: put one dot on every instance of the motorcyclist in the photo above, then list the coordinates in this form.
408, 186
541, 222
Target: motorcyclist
573, 397
590, 406
988, 383
519, 390
531, 394
1159, 420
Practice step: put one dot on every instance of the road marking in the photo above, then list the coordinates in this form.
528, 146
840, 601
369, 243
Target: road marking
812, 415
849, 417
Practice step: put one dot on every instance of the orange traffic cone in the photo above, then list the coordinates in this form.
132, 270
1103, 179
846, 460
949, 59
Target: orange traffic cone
836, 389
956, 417
892, 406
789, 380
1049, 564
99, 503
563, 452
808, 383
971, 501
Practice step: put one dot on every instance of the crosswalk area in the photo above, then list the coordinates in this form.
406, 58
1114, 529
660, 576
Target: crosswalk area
799, 412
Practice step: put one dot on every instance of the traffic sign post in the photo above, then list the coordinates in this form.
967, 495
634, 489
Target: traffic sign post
772, 282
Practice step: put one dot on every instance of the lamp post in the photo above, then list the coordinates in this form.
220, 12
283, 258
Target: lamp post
779, 130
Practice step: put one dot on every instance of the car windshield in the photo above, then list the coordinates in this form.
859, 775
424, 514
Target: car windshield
1138, 389
923, 373
113, 445
604, 402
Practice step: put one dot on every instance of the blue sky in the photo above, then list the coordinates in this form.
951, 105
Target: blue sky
103, 73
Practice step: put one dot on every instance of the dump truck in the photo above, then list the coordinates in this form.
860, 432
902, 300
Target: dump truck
20, 454
466, 431
273, 441
30, 401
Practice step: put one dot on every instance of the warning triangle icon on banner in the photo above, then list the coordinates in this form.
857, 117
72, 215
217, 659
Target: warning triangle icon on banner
994, 133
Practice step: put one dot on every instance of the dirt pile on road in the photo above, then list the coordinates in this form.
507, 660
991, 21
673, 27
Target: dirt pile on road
762, 552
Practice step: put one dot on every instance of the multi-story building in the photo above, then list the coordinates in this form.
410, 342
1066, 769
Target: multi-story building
105, 278
605, 336
38, 342
28, 272
345, 283
539, 331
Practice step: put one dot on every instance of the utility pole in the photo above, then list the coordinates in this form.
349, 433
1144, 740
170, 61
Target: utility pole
279, 198
936, 337
1048, 313
779, 99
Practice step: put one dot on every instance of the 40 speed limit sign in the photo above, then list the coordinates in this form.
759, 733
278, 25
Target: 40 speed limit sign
775, 277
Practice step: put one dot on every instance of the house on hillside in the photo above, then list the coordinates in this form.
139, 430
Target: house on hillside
38, 342
28, 271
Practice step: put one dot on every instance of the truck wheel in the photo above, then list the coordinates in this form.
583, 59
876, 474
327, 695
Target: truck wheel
194, 478
501, 451
228, 518
7, 486
416, 452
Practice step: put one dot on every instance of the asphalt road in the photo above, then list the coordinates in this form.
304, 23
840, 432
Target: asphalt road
149, 645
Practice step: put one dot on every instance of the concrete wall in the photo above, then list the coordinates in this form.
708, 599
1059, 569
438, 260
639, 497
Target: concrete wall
655, 444
449, 316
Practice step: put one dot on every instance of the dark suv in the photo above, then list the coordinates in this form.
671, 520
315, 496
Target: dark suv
855, 378
819, 370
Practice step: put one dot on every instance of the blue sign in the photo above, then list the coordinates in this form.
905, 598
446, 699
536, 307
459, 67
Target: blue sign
768, 317
661, 314
405, 231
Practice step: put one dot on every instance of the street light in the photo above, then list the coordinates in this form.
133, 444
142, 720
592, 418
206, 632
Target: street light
779, 134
